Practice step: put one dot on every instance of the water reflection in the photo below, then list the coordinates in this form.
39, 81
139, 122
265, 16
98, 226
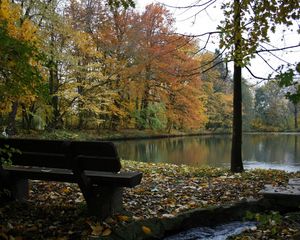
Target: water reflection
259, 150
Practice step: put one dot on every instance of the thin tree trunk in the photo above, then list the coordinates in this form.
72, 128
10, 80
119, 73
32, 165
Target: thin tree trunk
236, 148
296, 116
53, 88
11, 126
53, 85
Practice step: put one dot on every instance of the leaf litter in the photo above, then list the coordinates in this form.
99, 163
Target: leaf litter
57, 210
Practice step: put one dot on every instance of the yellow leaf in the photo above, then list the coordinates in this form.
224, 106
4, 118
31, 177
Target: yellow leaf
106, 232
146, 230
66, 190
96, 229
123, 218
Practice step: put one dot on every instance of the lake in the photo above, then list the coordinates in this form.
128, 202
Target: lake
267, 150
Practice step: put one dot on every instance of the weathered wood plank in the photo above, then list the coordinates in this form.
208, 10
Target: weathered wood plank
121, 179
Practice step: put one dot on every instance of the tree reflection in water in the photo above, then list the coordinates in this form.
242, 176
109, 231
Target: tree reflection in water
259, 150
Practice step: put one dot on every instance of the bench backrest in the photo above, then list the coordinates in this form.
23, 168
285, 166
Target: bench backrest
96, 156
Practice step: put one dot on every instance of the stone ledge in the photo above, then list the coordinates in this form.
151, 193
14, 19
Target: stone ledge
211, 216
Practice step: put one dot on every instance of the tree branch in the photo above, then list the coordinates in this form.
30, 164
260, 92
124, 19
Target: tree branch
277, 49
198, 35
257, 77
196, 5
266, 62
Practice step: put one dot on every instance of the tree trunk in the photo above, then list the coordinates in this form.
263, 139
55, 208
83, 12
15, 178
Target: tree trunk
53, 85
296, 116
236, 148
11, 126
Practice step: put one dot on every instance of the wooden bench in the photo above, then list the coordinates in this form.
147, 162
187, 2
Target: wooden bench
94, 166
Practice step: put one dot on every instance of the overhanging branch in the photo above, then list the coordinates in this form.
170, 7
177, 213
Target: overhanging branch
277, 49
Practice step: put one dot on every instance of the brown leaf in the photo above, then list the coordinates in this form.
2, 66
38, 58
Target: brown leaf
106, 232
123, 218
146, 230
96, 229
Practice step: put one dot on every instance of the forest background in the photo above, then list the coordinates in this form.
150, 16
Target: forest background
89, 66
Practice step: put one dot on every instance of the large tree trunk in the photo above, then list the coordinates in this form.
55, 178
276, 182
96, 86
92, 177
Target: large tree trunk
236, 148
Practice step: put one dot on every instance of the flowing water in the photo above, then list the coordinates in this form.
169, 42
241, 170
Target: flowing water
221, 232
276, 151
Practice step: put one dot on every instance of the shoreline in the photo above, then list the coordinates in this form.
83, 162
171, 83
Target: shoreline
129, 134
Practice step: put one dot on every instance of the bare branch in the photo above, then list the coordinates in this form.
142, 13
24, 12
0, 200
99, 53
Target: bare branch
205, 45
266, 62
201, 10
196, 5
281, 59
214, 65
277, 49
257, 77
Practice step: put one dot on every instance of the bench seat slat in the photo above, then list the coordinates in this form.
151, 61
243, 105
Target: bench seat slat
40, 173
121, 179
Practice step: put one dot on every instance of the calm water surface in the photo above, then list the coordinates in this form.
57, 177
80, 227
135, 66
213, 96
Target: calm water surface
277, 151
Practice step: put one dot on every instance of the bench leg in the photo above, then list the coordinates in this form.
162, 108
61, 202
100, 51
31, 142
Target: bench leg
107, 202
20, 189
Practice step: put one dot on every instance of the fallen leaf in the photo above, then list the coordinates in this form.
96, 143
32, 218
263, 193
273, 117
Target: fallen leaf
167, 215
146, 230
96, 229
123, 218
110, 220
106, 232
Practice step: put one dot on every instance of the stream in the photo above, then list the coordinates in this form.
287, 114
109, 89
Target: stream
221, 232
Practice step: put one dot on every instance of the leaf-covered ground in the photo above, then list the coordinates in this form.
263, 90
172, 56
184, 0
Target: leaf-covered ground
57, 210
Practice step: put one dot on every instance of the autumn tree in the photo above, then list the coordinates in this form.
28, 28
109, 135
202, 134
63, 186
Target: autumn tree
271, 108
163, 60
247, 105
218, 88
20, 69
289, 79
246, 26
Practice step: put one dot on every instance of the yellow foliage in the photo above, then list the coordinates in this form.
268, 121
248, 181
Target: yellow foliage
85, 44
9, 13
5, 106
10, 18
27, 31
